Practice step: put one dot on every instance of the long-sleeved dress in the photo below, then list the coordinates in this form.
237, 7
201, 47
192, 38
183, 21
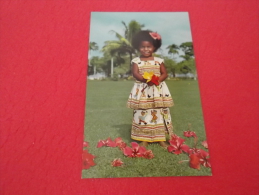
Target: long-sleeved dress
150, 104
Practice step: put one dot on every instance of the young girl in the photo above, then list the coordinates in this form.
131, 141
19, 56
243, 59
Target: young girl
151, 102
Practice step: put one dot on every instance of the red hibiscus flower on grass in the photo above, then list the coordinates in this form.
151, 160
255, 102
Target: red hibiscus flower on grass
88, 159
134, 151
117, 162
176, 145
120, 143
197, 157
108, 143
193, 151
205, 144
85, 144
137, 151
204, 158
189, 133
148, 154
194, 161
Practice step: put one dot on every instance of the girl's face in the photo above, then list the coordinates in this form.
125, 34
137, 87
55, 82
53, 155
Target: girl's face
146, 49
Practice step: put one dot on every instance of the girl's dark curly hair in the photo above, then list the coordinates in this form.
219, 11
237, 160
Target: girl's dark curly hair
145, 36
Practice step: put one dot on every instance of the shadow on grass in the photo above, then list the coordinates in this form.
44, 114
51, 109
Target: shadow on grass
124, 131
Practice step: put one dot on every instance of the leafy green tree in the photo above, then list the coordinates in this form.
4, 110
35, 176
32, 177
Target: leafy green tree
96, 63
122, 68
170, 65
104, 63
185, 57
187, 66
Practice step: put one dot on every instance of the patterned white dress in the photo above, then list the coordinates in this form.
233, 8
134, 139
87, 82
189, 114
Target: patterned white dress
150, 104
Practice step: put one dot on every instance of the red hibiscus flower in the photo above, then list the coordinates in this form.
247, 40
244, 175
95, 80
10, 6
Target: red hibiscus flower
108, 142
189, 133
155, 80
155, 35
177, 146
118, 140
117, 162
204, 160
88, 159
193, 151
85, 144
198, 157
148, 154
135, 151
120, 143
205, 144
127, 151
194, 161
100, 143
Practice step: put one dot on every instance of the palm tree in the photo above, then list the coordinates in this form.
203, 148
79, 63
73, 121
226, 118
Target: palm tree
187, 48
122, 46
188, 59
173, 49
92, 46
132, 29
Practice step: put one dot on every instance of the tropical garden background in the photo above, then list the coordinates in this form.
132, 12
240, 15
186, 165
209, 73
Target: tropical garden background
114, 63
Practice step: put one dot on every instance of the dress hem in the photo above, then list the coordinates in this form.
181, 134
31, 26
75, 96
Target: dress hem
142, 140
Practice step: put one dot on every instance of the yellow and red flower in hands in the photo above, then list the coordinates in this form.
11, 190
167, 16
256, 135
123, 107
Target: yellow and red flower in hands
151, 77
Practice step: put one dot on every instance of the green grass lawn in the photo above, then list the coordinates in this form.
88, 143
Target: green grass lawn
108, 116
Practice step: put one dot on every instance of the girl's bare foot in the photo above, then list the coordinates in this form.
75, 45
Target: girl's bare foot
163, 144
145, 144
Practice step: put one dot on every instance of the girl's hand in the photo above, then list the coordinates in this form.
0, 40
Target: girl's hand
136, 74
150, 84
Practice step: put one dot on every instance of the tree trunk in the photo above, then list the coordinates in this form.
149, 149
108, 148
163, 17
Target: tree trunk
130, 63
112, 67
173, 73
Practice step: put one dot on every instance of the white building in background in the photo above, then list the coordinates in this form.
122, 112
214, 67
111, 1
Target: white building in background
97, 76
188, 75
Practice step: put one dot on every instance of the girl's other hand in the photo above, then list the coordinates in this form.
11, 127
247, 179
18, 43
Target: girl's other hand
150, 84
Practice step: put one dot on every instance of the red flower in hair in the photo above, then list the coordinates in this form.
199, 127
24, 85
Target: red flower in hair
155, 35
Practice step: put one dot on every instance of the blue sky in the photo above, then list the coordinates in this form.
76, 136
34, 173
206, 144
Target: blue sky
174, 27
